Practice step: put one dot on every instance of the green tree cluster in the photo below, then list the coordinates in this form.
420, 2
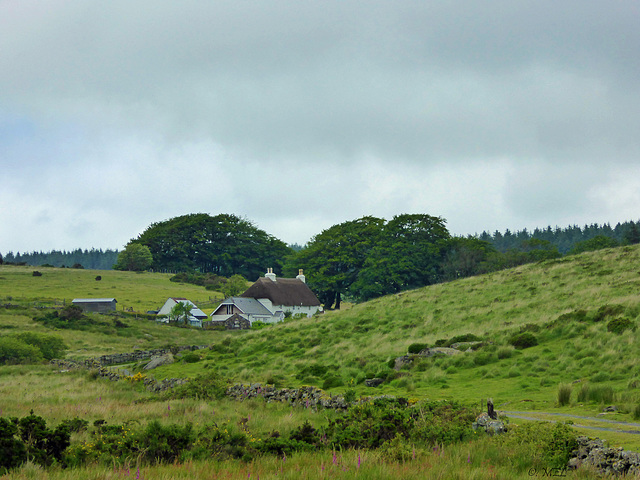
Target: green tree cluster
31, 347
369, 257
134, 258
223, 244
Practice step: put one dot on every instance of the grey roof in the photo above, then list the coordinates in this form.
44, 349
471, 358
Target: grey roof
93, 300
249, 306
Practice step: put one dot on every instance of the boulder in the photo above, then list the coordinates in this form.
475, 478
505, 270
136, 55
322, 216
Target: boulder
488, 424
159, 361
431, 352
373, 382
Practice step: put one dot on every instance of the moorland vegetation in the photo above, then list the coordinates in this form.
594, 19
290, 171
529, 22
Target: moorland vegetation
556, 336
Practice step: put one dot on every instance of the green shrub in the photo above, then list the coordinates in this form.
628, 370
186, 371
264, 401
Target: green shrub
332, 382
51, 346
636, 412
607, 311
467, 337
190, 357
550, 444
564, 394
14, 351
523, 340
417, 347
165, 443
485, 358
504, 352
204, 387
619, 325
600, 377
14, 451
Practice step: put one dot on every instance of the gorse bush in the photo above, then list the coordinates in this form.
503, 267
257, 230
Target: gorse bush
523, 340
415, 348
29, 438
619, 325
467, 337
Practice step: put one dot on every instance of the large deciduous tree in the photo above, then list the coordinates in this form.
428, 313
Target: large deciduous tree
222, 244
333, 258
408, 255
134, 257
369, 257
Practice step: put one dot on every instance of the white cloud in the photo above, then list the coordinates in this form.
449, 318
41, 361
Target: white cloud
300, 115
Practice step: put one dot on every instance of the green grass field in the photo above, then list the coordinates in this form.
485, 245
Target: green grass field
569, 305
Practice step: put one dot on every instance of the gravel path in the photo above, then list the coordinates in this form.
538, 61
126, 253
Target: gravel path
528, 416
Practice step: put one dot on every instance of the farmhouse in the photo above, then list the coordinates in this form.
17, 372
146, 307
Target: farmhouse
98, 305
195, 318
269, 299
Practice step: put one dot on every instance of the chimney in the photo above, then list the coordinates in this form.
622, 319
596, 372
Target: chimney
301, 277
270, 275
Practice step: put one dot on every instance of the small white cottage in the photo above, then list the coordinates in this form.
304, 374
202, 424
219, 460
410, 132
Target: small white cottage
195, 319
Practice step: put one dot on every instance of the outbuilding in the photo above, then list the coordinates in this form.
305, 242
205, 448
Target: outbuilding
96, 305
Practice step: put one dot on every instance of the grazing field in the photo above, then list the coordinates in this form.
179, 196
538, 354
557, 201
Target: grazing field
557, 337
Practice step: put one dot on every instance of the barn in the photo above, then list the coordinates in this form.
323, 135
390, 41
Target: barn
97, 305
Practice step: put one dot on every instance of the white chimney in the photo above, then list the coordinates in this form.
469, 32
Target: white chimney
270, 275
301, 277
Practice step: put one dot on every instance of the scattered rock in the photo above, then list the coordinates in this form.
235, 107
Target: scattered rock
159, 361
373, 382
488, 424
465, 345
430, 352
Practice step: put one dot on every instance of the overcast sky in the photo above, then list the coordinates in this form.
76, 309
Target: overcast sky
298, 115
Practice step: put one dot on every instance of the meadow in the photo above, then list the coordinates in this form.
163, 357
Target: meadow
582, 312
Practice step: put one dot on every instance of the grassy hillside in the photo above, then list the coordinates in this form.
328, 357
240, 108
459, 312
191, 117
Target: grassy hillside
576, 308
133, 291
566, 304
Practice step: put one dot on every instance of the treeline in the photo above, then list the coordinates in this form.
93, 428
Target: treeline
94, 259
370, 257
566, 240
358, 259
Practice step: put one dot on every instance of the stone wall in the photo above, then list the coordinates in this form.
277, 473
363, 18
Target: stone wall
139, 355
116, 375
592, 452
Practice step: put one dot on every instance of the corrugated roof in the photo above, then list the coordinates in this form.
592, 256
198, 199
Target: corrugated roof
93, 300
284, 291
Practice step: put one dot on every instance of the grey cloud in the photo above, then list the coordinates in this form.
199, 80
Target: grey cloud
304, 114
418, 81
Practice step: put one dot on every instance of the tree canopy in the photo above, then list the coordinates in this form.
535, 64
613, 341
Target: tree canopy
134, 258
222, 244
369, 257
